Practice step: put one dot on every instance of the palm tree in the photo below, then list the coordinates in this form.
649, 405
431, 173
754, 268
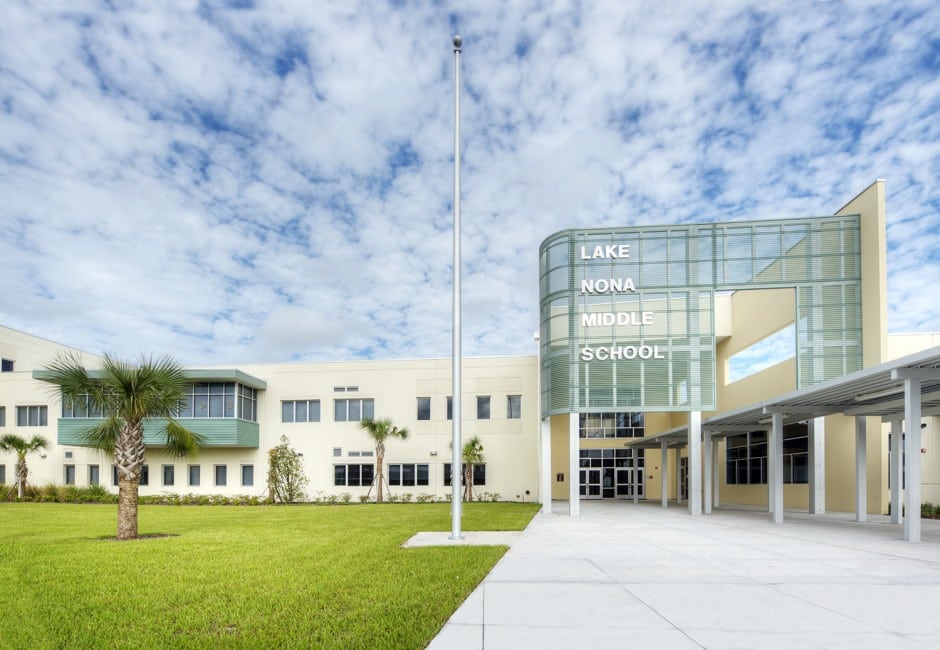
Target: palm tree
471, 454
126, 394
22, 446
380, 431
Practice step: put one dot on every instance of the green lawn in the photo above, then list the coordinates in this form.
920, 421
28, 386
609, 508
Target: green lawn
240, 577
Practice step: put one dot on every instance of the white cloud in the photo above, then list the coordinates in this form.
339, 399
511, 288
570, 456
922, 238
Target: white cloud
275, 182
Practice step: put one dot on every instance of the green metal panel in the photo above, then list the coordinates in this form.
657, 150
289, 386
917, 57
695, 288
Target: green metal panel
221, 432
673, 273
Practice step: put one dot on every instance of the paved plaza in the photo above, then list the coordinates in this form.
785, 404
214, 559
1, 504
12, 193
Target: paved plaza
637, 576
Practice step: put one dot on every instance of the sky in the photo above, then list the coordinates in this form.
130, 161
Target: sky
235, 182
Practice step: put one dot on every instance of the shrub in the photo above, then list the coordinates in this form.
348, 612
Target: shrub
286, 478
425, 498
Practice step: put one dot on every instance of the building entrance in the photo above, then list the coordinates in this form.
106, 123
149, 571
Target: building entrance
611, 473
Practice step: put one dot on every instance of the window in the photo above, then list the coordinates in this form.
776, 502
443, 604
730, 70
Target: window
144, 475
70, 474
353, 474
345, 389
248, 475
3, 416
611, 425
247, 403
80, 407
353, 410
746, 456
220, 400
796, 453
221, 475
479, 474
94, 475
3, 474
408, 474
305, 410
193, 472
483, 407
513, 407
450, 408
169, 474
31, 416
337, 451
746, 459
424, 408
6, 365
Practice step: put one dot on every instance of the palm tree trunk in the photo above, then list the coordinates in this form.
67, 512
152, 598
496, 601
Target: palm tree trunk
129, 458
468, 482
21, 473
127, 506
379, 462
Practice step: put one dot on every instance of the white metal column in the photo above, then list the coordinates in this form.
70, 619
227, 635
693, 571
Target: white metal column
664, 466
677, 468
912, 458
817, 465
695, 463
896, 471
776, 465
545, 484
716, 476
574, 464
708, 473
861, 469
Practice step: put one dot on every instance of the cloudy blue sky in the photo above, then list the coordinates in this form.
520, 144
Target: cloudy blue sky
246, 181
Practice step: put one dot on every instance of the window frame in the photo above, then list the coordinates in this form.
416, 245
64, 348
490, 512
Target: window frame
308, 406
513, 414
42, 415
424, 409
396, 476
189, 475
360, 473
484, 407
479, 471
345, 401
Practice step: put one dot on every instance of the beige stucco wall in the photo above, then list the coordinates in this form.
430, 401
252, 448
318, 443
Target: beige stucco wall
510, 445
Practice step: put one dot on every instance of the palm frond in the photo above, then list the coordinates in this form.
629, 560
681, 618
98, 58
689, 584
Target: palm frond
69, 377
103, 435
180, 441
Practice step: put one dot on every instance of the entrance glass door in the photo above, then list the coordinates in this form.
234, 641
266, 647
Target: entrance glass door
611, 473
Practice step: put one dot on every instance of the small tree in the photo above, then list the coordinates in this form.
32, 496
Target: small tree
22, 447
471, 454
379, 431
127, 394
286, 477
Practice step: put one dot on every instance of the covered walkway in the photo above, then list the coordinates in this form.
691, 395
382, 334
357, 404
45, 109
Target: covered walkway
898, 392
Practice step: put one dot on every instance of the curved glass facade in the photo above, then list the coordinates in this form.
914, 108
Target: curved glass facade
627, 314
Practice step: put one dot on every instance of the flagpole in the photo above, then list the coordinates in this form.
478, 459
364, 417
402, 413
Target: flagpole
456, 414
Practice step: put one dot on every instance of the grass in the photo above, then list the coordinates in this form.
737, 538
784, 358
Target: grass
233, 577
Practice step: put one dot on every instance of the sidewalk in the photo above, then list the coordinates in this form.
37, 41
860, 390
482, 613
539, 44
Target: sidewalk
637, 576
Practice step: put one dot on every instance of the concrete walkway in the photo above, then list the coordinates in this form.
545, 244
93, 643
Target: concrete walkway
637, 576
